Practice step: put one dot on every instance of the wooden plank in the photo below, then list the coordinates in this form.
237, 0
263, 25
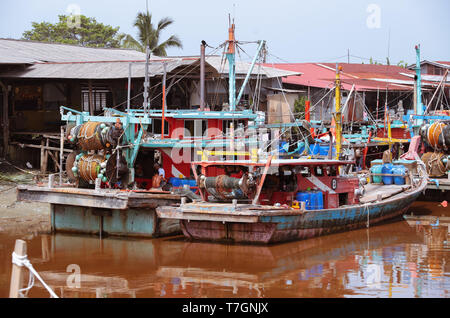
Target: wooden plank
190, 216
55, 160
79, 199
385, 191
39, 146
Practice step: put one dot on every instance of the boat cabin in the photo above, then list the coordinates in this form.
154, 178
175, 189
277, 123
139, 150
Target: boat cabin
287, 182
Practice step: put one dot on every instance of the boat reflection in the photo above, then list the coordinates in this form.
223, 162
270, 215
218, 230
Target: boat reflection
384, 261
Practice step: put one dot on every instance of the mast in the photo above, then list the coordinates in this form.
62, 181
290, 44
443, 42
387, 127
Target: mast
338, 115
202, 76
232, 67
419, 110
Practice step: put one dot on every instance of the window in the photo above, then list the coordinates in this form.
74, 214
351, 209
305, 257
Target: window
189, 126
27, 97
101, 98
54, 95
155, 127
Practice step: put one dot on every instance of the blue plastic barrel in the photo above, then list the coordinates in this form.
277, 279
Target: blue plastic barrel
324, 150
176, 182
318, 200
399, 169
387, 169
314, 149
304, 197
376, 170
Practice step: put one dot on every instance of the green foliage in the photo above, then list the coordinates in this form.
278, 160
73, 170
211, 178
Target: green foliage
402, 64
373, 62
150, 35
89, 33
299, 107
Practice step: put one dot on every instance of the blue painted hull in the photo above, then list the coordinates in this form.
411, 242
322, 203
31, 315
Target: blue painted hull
281, 228
138, 222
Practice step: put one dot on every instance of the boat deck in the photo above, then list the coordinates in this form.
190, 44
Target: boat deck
442, 184
103, 198
374, 191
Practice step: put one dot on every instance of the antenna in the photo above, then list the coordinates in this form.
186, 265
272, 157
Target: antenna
389, 44
234, 11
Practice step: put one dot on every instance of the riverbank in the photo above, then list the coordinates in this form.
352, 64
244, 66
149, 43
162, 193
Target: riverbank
20, 218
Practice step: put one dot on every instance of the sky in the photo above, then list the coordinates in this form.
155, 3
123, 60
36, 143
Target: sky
295, 31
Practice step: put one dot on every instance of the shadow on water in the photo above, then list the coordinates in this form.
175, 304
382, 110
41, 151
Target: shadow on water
390, 260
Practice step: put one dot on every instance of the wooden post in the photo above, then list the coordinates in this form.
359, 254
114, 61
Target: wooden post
17, 273
91, 101
44, 156
45, 249
5, 119
261, 183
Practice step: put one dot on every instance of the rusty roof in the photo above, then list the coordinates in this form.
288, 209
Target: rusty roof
365, 77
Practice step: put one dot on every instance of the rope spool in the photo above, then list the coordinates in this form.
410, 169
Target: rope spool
433, 133
89, 136
95, 135
88, 167
434, 163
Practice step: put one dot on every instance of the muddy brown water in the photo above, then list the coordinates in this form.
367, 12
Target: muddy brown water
390, 260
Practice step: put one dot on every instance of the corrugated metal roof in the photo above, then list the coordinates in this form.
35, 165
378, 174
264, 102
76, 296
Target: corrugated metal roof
365, 77
96, 70
75, 62
35, 52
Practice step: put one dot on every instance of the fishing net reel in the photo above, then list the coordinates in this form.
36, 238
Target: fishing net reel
95, 135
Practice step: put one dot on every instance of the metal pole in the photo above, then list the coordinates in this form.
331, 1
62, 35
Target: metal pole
419, 85
146, 81
163, 101
202, 76
129, 89
338, 118
249, 72
61, 155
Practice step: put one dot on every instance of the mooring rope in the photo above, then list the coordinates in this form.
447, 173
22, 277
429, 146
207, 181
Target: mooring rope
23, 261
366, 208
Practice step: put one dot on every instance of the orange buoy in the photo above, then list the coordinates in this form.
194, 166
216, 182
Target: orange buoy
434, 131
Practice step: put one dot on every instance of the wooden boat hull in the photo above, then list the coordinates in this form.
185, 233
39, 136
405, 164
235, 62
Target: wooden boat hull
278, 226
105, 212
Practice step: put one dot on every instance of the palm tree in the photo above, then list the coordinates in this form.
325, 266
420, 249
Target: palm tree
149, 36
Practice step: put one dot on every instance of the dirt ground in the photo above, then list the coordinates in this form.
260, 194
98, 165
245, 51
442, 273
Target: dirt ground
20, 217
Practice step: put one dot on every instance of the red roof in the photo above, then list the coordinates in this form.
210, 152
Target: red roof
365, 77
443, 62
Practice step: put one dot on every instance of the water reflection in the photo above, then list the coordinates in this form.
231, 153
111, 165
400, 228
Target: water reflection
391, 260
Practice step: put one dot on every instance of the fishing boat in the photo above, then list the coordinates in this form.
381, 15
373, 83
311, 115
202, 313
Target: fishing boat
272, 200
108, 183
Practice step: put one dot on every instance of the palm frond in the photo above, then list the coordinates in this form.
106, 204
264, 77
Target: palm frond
131, 43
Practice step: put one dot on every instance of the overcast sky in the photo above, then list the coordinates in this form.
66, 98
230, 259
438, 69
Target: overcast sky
296, 31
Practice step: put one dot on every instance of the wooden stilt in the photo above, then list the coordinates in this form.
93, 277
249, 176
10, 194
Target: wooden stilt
44, 154
18, 272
